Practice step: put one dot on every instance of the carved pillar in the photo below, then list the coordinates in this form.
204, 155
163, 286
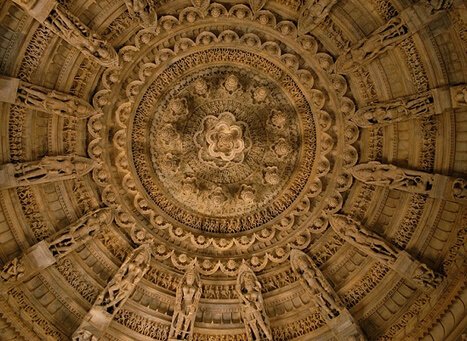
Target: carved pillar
325, 298
36, 97
433, 102
312, 13
142, 10
71, 29
186, 305
375, 246
253, 313
48, 169
47, 252
114, 295
434, 185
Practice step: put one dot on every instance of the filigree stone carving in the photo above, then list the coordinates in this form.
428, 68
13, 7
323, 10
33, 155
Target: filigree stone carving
384, 38
254, 316
36, 97
186, 304
377, 247
79, 232
401, 109
324, 296
48, 169
312, 13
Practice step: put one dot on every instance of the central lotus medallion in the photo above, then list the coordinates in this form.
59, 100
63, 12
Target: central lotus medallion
222, 140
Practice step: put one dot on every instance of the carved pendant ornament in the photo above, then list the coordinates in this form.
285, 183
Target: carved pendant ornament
228, 171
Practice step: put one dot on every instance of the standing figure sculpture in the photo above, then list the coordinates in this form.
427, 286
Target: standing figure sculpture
47, 169
363, 239
51, 101
324, 296
254, 316
401, 109
142, 10
312, 13
186, 305
79, 232
71, 29
121, 286
381, 40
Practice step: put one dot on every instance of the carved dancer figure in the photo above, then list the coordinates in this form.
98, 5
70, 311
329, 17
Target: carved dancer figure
324, 296
79, 232
375, 246
121, 286
255, 319
438, 5
401, 109
459, 189
143, 10
186, 305
363, 239
72, 30
312, 13
376, 173
48, 169
12, 271
460, 95
381, 40
83, 335
51, 101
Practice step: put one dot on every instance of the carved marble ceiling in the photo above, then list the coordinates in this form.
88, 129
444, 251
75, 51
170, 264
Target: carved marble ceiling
233, 170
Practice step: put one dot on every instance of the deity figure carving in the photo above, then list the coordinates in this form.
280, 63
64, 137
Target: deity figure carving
460, 95
122, 285
49, 168
186, 305
143, 10
459, 189
363, 239
401, 109
381, 40
54, 102
312, 13
79, 232
83, 335
12, 271
72, 30
438, 5
324, 296
376, 173
254, 316
424, 276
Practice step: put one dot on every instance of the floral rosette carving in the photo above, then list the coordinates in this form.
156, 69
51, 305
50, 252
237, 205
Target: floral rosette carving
305, 160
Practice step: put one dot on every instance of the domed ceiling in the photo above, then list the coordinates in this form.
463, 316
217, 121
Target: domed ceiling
233, 170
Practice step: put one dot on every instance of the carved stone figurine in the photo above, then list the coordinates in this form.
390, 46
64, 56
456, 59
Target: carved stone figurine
53, 102
438, 5
381, 40
141, 9
312, 13
426, 277
49, 168
254, 317
376, 173
401, 109
12, 271
84, 335
324, 296
186, 305
363, 239
78, 35
79, 232
459, 189
121, 286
